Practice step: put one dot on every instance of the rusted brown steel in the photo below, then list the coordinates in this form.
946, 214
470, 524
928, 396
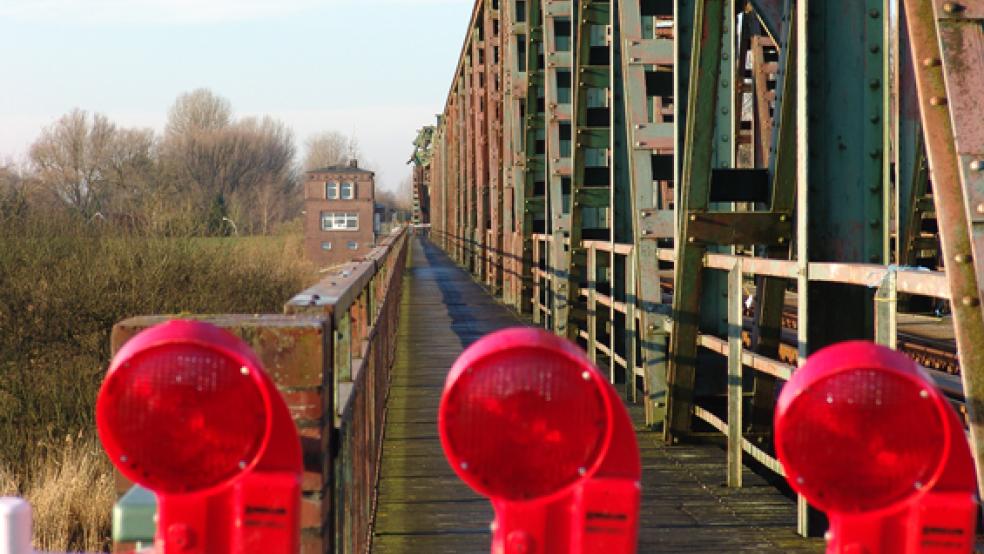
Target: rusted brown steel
949, 144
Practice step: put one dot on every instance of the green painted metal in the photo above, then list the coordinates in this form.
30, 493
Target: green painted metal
846, 188
694, 196
134, 517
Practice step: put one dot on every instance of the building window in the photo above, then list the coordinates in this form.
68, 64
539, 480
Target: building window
352, 245
348, 191
339, 221
331, 191
326, 245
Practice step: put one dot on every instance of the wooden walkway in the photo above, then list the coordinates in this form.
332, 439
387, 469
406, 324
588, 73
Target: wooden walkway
423, 507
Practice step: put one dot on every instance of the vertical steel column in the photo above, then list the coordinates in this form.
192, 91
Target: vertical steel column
846, 185
479, 114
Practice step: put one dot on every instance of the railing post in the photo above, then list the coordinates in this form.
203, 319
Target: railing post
735, 396
886, 311
593, 310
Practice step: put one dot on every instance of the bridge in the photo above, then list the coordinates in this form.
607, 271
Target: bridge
700, 194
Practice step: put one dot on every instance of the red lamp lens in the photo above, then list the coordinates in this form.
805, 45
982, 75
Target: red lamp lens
523, 423
861, 440
182, 417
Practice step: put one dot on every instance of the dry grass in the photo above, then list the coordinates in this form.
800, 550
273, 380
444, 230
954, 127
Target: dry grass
72, 498
62, 287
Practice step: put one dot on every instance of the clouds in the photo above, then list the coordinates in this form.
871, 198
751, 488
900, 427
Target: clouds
174, 11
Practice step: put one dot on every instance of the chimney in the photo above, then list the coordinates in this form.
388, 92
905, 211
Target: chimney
354, 164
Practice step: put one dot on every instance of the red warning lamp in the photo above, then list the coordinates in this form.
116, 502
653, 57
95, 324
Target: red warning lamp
187, 411
863, 434
527, 420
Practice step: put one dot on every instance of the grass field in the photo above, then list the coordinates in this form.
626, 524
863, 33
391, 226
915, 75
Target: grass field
61, 291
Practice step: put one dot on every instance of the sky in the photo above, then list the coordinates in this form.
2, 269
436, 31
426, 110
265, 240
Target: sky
378, 69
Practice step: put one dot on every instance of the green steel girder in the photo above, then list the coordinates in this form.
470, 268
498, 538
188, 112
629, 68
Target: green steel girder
695, 184
846, 183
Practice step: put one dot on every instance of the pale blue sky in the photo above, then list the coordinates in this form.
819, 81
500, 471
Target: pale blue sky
376, 68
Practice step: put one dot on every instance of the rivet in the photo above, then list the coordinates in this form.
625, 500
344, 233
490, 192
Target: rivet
970, 301
874, 154
931, 62
693, 217
874, 83
874, 13
938, 101
875, 118
980, 208
961, 258
781, 240
874, 223
875, 49
952, 7
691, 240
784, 218
977, 165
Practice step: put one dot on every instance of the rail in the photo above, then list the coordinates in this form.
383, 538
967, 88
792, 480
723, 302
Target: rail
330, 355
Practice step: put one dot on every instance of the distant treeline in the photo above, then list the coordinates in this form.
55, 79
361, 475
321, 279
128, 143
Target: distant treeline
209, 173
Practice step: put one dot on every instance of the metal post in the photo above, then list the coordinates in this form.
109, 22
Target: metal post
735, 396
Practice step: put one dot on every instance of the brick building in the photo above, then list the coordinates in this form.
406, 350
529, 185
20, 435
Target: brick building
339, 205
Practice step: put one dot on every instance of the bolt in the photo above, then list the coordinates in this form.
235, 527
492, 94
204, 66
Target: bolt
244, 370
924, 394
586, 375
938, 101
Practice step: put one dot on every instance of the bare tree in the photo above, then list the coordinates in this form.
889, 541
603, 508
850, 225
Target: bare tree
330, 148
196, 111
71, 159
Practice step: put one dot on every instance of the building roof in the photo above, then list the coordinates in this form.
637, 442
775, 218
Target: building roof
340, 169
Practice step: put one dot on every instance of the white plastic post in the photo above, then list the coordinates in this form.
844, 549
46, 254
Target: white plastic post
15, 526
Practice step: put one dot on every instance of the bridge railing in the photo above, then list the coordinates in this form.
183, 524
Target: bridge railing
330, 356
611, 324
362, 301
